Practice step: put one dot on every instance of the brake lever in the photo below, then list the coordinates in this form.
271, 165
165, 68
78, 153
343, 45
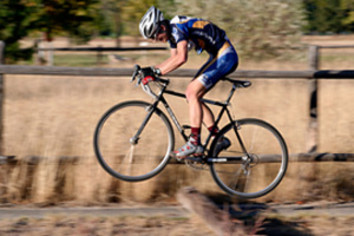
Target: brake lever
136, 72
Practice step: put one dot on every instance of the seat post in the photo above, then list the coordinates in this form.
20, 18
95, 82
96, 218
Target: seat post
231, 93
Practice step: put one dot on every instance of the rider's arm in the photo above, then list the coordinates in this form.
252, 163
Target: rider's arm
179, 56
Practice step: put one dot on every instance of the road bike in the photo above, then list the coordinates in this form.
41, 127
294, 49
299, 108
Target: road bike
134, 141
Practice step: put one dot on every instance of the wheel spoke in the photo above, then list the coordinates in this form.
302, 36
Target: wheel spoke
133, 142
253, 140
236, 178
247, 179
252, 178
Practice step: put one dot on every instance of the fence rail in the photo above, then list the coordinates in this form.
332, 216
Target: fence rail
313, 51
298, 157
117, 49
83, 71
336, 46
104, 49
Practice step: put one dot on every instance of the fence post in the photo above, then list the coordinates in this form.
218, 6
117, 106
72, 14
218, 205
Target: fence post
313, 57
313, 87
99, 55
50, 55
2, 61
39, 54
2, 48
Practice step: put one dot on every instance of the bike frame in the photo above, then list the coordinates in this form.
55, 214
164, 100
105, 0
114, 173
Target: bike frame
223, 105
234, 179
160, 98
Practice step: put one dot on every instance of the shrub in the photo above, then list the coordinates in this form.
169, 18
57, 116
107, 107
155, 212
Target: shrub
259, 29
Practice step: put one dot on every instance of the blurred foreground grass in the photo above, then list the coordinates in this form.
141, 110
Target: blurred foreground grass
172, 226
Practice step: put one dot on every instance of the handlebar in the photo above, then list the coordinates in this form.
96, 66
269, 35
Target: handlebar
136, 71
137, 74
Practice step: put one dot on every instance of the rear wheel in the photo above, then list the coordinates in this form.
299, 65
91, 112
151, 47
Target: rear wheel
133, 142
257, 158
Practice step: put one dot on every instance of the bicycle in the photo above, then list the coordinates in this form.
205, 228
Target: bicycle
133, 141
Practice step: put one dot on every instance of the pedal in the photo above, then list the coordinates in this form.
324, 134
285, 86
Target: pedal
194, 157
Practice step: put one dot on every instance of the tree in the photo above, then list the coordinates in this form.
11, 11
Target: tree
118, 16
110, 20
73, 17
348, 21
329, 16
15, 23
19, 18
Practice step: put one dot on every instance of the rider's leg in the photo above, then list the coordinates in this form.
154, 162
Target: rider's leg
217, 67
208, 117
209, 120
195, 91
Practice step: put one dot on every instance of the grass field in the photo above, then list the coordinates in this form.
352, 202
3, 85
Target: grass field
54, 117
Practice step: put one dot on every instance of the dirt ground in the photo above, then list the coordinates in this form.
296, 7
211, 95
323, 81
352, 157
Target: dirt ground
252, 222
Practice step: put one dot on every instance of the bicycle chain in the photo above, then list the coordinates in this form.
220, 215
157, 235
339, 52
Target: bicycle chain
195, 165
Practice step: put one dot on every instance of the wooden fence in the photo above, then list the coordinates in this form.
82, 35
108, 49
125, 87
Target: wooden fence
99, 51
2, 59
314, 54
313, 51
312, 74
119, 72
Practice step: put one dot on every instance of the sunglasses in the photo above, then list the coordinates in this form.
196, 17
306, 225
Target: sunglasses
158, 31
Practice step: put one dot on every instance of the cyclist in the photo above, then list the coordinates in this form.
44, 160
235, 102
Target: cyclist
183, 32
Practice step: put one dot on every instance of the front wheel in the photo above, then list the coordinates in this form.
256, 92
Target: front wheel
133, 141
255, 161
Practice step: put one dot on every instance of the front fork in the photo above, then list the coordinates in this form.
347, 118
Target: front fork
150, 109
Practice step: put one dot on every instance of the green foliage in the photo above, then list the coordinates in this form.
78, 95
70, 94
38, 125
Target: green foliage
73, 17
116, 17
133, 11
19, 18
329, 16
260, 29
15, 24
108, 19
168, 7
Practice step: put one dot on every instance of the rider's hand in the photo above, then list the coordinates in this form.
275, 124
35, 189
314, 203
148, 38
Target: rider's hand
147, 71
149, 74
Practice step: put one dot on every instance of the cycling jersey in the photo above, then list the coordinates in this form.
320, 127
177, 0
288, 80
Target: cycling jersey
206, 36
203, 34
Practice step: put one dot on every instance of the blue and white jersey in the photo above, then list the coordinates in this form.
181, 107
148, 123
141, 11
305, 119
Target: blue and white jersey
202, 33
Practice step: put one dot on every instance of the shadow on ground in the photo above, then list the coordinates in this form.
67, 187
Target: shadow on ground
253, 216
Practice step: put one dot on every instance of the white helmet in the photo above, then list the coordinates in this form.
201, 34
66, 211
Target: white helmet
150, 22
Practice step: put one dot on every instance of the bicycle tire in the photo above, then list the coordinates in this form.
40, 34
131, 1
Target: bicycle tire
129, 161
266, 151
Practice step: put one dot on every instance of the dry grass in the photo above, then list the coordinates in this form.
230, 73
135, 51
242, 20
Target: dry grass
52, 117
91, 225
315, 181
172, 226
308, 225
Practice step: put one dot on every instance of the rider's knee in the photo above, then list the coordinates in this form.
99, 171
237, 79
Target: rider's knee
191, 94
